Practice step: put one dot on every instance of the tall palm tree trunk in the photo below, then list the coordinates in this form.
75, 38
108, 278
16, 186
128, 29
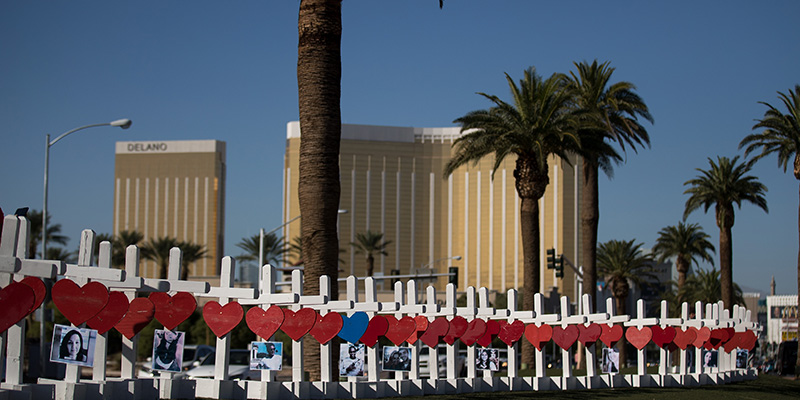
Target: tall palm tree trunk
622, 309
319, 68
590, 218
370, 264
725, 223
531, 182
683, 269
529, 230
797, 174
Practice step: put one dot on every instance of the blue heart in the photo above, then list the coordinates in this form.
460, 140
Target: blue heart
353, 327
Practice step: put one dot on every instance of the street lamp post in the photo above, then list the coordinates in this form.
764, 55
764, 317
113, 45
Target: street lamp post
122, 123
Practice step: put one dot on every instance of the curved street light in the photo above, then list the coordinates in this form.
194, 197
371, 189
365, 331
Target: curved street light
122, 123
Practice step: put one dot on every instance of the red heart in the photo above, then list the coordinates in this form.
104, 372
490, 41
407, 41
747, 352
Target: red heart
79, 304
436, 329
589, 334
377, 327
611, 334
511, 333
538, 336
458, 325
327, 327
172, 310
16, 300
718, 337
475, 329
297, 324
422, 326
264, 323
639, 337
565, 337
734, 342
400, 330
703, 334
140, 313
492, 329
222, 319
111, 314
749, 341
684, 338
39, 289
663, 336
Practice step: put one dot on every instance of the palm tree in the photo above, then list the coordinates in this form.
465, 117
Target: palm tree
319, 75
119, 245
781, 135
536, 125
53, 232
370, 243
59, 253
274, 249
190, 253
609, 113
157, 250
722, 185
705, 286
622, 263
687, 243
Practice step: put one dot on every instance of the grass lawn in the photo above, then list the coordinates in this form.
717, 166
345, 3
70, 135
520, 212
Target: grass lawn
765, 387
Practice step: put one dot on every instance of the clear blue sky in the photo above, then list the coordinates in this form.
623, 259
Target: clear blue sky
227, 71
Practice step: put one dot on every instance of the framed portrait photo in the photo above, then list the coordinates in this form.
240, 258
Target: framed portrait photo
351, 359
396, 358
266, 356
73, 345
487, 360
610, 362
168, 350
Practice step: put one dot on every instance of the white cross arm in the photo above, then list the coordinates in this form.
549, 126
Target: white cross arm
38, 268
231, 293
274, 298
108, 274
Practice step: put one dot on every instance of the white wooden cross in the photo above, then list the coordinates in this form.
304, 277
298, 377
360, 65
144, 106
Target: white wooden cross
432, 311
591, 362
540, 318
81, 274
639, 322
469, 312
412, 307
664, 322
513, 368
226, 292
450, 310
566, 354
687, 322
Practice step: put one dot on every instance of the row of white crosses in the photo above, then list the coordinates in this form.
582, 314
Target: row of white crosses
15, 265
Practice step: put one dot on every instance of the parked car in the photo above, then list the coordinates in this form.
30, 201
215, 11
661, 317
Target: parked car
238, 367
424, 365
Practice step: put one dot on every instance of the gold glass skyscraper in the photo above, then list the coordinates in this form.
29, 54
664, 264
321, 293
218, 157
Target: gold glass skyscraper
173, 189
392, 182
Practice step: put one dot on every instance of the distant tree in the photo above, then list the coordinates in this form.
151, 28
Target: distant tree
724, 184
609, 113
370, 243
621, 263
157, 250
705, 286
687, 243
119, 245
780, 135
53, 233
60, 253
534, 126
274, 249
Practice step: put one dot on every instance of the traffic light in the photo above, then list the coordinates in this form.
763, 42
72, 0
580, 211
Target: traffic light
559, 266
453, 276
551, 258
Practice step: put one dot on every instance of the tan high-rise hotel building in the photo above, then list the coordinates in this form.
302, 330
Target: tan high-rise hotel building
392, 182
173, 189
